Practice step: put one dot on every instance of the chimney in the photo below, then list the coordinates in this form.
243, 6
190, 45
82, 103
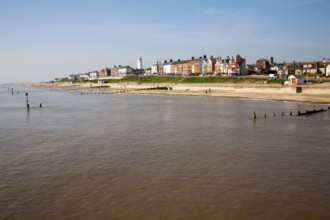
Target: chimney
165, 61
192, 58
171, 60
204, 56
212, 57
179, 60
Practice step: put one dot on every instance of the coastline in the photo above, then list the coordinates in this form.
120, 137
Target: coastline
316, 93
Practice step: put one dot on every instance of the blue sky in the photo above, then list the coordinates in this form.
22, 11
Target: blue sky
44, 39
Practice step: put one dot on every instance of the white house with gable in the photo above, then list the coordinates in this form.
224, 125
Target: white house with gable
125, 70
167, 68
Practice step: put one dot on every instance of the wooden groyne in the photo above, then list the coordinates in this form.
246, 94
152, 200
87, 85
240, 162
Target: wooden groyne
312, 112
307, 112
157, 88
101, 93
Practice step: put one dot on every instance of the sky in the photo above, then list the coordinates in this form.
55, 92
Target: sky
44, 39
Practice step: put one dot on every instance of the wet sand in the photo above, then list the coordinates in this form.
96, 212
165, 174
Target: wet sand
317, 93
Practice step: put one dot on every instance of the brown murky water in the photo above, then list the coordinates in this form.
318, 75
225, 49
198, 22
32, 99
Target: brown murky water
121, 156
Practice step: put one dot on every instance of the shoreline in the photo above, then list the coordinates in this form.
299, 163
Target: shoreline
317, 93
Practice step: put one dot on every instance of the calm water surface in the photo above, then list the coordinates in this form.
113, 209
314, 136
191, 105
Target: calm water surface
121, 156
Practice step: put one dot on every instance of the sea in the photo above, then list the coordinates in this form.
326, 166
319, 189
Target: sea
87, 155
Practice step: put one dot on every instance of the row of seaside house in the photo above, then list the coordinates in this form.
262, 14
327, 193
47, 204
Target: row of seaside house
116, 71
235, 65
202, 66
294, 68
194, 66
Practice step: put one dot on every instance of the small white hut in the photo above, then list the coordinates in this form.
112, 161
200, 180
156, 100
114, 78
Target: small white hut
296, 79
327, 71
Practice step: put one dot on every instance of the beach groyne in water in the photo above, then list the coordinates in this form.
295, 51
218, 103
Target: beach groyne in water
308, 112
299, 113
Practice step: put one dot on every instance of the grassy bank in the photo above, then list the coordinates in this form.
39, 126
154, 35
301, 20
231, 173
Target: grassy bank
180, 79
197, 79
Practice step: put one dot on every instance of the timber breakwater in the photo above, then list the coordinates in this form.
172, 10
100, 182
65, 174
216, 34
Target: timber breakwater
308, 112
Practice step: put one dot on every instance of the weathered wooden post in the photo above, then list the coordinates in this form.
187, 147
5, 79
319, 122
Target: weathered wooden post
254, 115
273, 114
27, 101
290, 113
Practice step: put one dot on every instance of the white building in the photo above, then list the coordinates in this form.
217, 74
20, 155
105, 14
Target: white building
93, 74
139, 64
167, 68
125, 70
155, 68
327, 71
83, 76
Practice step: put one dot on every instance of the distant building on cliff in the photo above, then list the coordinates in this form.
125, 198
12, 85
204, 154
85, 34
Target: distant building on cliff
125, 71
235, 65
105, 72
155, 68
263, 65
203, 66
327, 73
115, 71
139, 64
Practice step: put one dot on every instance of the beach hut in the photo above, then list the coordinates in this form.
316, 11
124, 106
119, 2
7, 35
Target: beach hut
296, 79
327, 72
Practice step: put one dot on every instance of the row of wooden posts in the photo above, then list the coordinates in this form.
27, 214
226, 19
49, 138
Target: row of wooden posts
27, 97
27, 101
99, 93
273, 114
254, 115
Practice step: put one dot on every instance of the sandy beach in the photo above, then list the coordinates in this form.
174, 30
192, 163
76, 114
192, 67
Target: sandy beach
317, 93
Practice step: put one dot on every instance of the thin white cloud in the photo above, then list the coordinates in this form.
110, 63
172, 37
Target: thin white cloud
209, 11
